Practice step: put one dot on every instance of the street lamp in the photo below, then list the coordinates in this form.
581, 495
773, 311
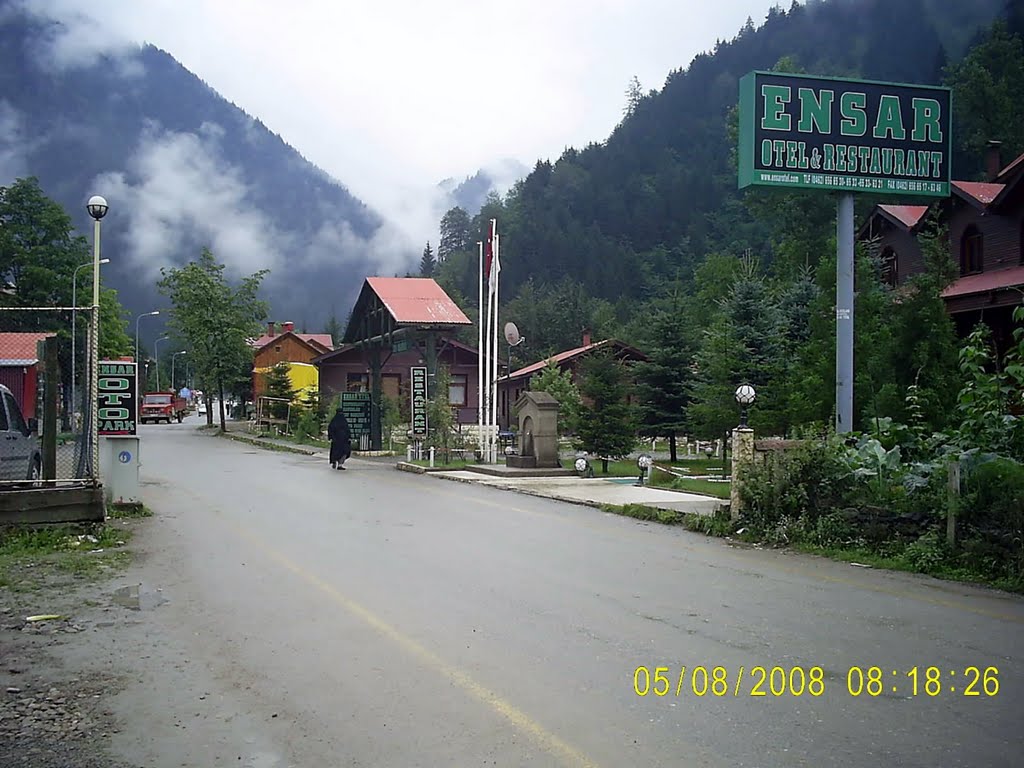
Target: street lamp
74, 326
644, 462
745, 396
156, 358
97, 208
174, 355
144, 314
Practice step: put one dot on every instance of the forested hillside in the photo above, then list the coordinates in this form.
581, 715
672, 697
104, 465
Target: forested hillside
617, 236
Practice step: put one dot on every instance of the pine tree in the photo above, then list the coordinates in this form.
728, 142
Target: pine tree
634, 95
559, 385
664, 382
427, 263
334, 329
455, 233
607, 424
279, 387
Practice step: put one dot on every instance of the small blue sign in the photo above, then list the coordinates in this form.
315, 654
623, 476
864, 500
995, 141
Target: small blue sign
124, 457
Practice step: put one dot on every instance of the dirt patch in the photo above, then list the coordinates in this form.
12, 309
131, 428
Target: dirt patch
53, 701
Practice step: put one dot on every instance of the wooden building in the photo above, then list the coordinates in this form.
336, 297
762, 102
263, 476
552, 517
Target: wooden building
512, 386
985, 223
281, 344
398, 323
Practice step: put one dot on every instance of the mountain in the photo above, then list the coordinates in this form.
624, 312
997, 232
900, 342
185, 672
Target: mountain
181, 168
471, 193
622, 218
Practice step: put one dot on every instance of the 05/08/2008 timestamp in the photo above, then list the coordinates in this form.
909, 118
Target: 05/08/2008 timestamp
777, 681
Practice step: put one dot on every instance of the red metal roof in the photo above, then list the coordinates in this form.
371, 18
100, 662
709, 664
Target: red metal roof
986, 281
561, 357
417, 301
1008, 170
21, 346
322, 340
909, 215
981, 191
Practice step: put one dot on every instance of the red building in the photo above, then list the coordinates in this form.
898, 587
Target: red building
510, 387
398, 323
985, 222
19, 367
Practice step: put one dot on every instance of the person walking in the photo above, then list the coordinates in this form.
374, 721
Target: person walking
341, 440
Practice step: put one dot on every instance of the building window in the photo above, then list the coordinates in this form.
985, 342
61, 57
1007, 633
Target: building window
457, 389
971, 251
357, 382
890, 264
277, 347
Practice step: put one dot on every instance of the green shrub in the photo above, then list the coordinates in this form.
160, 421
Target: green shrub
928, 553
992, 517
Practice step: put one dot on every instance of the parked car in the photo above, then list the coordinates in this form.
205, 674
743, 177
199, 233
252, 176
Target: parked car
20, 455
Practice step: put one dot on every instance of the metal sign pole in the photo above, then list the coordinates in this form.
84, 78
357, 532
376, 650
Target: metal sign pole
844, 313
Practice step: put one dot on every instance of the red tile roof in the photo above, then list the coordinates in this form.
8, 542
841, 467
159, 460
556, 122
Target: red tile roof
981, 191
986, 281
321, 340
21, 346
417, 301
909, 215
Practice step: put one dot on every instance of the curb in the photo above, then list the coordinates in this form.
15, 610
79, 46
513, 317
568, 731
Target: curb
268, 446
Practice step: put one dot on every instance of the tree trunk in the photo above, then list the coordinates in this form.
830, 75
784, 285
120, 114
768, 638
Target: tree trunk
604, 466
672, 447
220, 404
209, 410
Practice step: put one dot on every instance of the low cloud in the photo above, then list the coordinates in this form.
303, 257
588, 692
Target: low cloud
176, 191
79, 39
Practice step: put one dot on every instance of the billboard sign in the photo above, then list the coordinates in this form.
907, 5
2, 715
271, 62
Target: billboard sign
419, 401
117, 398
851, 135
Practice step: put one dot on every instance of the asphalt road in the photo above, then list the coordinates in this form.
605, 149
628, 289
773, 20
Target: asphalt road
377, 618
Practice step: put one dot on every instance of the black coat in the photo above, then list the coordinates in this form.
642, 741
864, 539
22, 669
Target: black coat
340, 436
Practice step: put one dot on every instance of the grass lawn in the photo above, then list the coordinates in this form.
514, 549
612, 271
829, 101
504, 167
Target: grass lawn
708, 488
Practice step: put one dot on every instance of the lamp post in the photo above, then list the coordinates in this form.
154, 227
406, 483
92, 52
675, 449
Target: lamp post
137, 319
97, 208
745, 396
644, 463
74, 327
156, 358
174, 355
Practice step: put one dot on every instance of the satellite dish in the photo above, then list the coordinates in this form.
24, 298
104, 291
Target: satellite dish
512, 334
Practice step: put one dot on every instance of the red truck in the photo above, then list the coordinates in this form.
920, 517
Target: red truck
162, 406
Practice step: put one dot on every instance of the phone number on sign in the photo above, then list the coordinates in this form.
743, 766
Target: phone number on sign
716, 681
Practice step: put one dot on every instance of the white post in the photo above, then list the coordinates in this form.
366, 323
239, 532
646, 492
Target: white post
487, 388
480, 357
431, 457
494, 379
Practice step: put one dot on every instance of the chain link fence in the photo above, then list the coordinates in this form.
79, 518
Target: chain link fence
46, 430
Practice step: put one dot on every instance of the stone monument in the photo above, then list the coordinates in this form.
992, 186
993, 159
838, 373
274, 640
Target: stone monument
538, 432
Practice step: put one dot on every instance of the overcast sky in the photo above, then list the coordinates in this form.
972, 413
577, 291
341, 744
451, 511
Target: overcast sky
392, 97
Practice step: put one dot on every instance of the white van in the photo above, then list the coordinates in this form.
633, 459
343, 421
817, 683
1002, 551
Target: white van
20, 455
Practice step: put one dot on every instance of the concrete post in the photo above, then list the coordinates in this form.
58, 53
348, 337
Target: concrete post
742, 461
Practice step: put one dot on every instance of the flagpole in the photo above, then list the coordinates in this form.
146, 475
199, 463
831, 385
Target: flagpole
479, 355
487, 389
496, 266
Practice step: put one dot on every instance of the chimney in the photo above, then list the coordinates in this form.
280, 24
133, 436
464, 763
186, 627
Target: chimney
586, 337
288, 327
271, 328
993, 161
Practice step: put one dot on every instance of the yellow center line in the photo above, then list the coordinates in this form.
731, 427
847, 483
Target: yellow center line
566, 754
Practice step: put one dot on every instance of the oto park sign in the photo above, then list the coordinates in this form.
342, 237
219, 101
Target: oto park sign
807, 132
848, 135
117, 398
